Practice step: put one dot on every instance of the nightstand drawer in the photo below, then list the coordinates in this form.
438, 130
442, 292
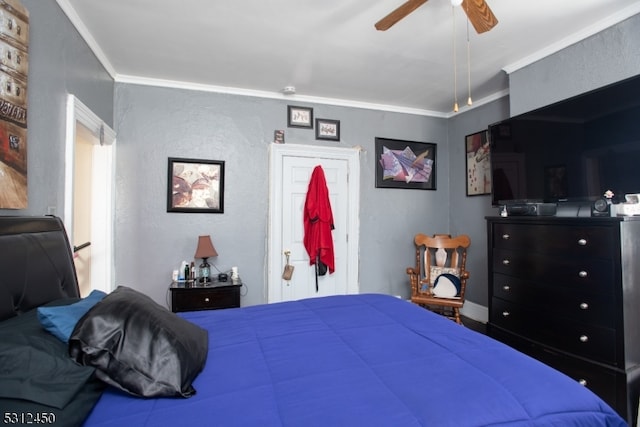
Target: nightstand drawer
205, 298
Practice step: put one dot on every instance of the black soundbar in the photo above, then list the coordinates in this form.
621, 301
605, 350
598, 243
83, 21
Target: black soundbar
531, 209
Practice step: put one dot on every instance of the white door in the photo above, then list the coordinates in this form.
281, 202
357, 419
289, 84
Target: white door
291, 171
89, 181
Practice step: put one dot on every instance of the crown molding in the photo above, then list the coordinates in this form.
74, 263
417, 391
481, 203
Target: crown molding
121, 78
478, 103
574, 38
87, 36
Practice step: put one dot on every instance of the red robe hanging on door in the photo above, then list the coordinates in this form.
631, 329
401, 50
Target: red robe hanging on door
318, 221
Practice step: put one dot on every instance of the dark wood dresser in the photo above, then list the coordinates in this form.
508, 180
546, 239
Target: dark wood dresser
567, 292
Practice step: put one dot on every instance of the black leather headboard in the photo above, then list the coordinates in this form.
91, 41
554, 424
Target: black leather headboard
36, 264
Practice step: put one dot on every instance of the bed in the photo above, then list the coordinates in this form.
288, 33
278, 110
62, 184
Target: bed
347, 360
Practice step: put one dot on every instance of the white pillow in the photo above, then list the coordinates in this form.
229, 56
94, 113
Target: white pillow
446, 286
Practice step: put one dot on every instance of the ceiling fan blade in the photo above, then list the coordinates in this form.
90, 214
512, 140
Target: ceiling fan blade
480, 15
395, 16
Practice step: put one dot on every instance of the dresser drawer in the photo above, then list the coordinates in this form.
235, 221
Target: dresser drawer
586, 275
190, 299
588, 341
602, 381
562, 240
590, 308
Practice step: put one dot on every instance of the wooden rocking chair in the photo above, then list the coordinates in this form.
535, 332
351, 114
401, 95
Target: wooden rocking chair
436, 256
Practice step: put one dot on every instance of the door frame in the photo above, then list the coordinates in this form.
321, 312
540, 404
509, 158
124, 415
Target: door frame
102, 199
277, 152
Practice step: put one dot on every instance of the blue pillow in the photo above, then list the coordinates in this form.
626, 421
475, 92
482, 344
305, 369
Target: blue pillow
61, 320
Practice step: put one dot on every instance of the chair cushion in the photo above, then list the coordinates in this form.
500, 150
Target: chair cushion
447, 286
437, 271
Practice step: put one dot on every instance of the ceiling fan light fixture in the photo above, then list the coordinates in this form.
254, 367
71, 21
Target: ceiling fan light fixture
478, 12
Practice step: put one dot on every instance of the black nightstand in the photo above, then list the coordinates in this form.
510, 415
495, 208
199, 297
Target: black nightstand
213, 296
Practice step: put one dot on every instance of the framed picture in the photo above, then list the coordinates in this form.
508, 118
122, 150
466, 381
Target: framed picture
478, 163
195, 186
278, 136
405, 164
328, 129
299, 117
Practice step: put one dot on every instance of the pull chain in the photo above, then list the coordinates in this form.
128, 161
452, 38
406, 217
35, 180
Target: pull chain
455, 64
469, 101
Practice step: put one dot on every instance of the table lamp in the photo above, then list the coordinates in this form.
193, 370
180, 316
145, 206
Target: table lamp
205, 250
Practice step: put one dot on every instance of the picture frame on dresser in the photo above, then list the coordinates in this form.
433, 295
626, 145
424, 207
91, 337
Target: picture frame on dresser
195, 185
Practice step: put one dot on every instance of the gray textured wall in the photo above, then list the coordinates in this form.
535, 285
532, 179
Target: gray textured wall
156, 123
604, 58
60, 63
150, 125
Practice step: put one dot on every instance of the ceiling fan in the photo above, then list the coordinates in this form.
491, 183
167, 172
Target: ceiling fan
478, 11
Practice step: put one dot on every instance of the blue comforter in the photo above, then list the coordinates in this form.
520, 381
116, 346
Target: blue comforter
359, 360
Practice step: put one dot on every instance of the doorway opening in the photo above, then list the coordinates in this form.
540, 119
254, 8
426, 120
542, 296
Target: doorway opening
88, 206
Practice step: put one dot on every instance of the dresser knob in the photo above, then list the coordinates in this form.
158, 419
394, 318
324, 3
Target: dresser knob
505, 236
583, 274
505, 314
506, 287
584, 306
584, 338
582, 382
506, 262
206, 299
582, 242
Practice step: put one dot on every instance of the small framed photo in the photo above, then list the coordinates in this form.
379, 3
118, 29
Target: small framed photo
328, 129
278, 136
195, 186
299, 117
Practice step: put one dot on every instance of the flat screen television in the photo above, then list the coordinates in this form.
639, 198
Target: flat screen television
571, 151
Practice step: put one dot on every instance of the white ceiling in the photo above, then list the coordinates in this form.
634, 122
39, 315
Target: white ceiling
329, 50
